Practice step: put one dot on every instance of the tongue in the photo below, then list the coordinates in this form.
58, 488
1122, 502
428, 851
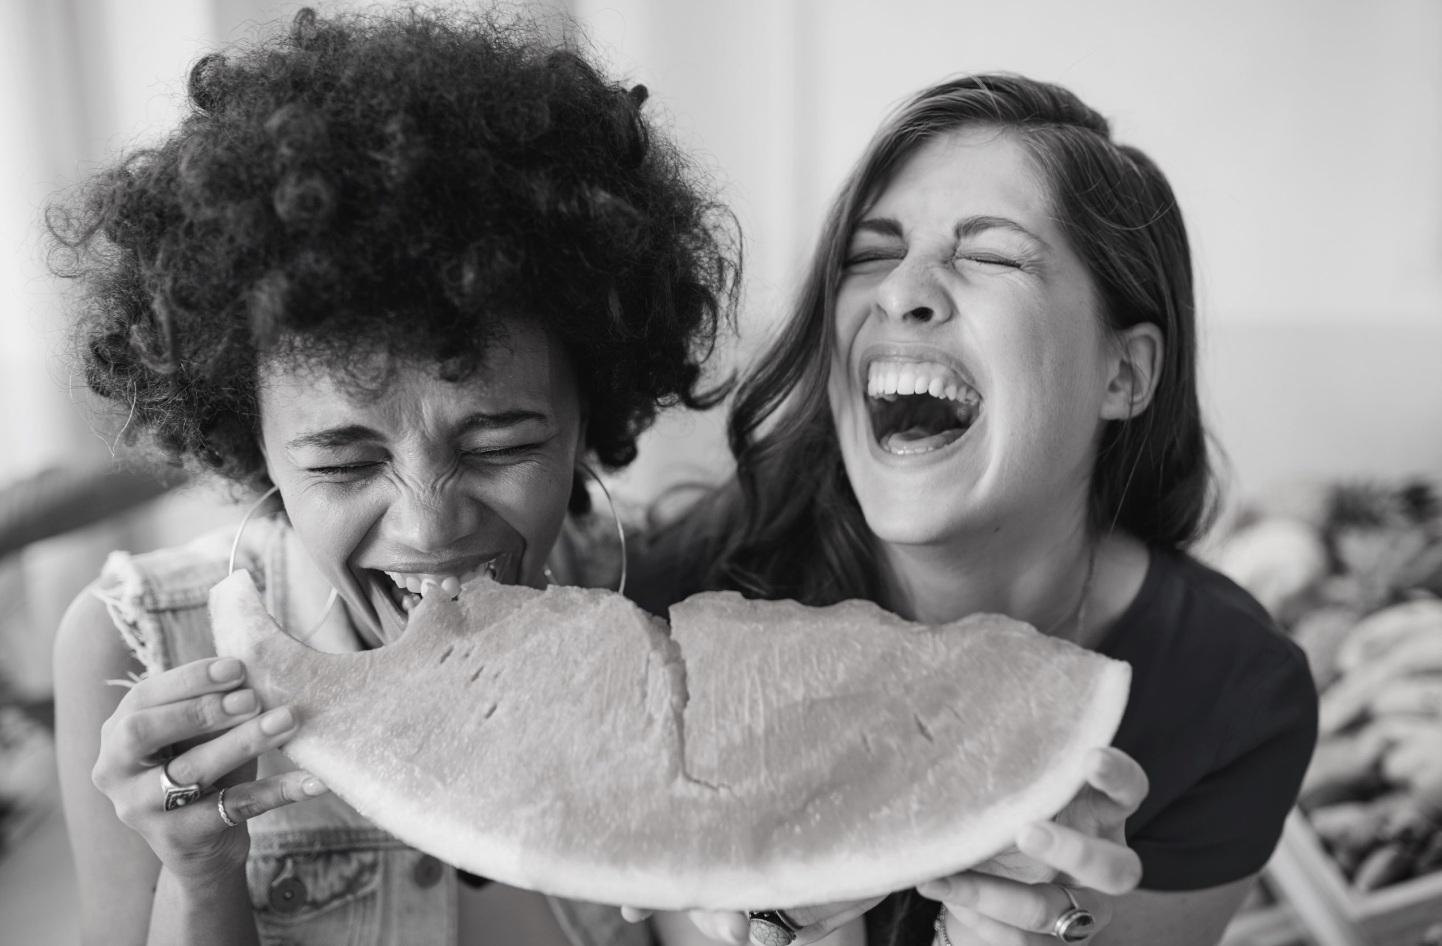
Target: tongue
919, 440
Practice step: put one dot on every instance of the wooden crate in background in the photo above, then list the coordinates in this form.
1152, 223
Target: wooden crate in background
1316, 904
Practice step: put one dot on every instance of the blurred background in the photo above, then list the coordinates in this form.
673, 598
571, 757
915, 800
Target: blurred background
1303, 138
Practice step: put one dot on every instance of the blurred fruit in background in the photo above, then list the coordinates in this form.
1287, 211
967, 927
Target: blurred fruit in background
1353, 571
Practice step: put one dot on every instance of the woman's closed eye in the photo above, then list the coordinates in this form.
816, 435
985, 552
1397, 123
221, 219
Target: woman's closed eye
989, 259
871, 261
355, 469
501, 453
343, 469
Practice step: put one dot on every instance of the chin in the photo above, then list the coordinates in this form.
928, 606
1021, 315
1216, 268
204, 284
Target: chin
901, 513
918, 499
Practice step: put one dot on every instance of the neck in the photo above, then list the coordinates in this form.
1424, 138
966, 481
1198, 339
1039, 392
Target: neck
1034, 578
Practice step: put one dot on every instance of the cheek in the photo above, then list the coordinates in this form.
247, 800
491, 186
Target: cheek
331, 523
849, 317
1058, 367
532, 501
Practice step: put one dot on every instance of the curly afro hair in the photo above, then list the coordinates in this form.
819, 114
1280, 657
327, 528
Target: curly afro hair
402, 180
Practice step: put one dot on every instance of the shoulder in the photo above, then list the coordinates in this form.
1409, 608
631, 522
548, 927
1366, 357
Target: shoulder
158, 600
1192, 621
1208, 660
1223, 716
87, 647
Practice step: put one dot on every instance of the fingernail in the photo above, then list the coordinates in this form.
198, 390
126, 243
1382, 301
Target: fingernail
1035, 838
223, 671
237, 702
738, 930
963, 914
314, 786
933, 889
277, 721
1101, 763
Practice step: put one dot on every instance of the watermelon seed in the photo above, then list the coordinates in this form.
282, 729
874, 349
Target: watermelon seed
925, 733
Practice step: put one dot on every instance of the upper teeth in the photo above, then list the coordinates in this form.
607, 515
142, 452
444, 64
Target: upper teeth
917, 377
422, 583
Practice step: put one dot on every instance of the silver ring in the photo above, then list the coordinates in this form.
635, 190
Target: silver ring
772, 927
177, 796
1075, 925
220, 807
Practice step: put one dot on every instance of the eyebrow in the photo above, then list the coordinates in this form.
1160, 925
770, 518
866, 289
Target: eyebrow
881, 226
971, 226
359, 433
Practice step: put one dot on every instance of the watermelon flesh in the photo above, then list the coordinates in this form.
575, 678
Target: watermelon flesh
756, 754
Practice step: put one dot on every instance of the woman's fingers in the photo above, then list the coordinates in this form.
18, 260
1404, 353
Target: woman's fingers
180, 683
207, 762
723, 926
965, 927
731, 927
821, 921
140, 735
1099, 863
245, 801
1119, 777
1031, 907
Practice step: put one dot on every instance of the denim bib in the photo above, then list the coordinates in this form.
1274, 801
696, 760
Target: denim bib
318, 872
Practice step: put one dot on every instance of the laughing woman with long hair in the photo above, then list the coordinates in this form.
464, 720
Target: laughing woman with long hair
986, 400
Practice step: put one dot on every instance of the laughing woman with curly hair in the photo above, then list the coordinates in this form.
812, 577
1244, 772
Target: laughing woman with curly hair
407, 273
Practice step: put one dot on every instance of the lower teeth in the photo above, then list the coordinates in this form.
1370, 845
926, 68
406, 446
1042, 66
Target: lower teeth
905, 442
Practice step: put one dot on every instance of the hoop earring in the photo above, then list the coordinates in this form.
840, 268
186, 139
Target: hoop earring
616, 518
235, 546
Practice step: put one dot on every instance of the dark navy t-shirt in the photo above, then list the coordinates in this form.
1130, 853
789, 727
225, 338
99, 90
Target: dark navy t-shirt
1222, 715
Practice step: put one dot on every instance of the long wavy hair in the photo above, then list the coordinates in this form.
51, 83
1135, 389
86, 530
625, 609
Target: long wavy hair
789, 526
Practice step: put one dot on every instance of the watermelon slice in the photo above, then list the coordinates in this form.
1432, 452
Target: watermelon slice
761, 754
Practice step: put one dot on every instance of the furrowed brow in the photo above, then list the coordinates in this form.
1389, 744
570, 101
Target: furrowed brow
502, 419
357, 433
971, 226
335, 437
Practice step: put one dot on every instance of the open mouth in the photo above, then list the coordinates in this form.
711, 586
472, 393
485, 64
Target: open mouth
406, 590
918, 407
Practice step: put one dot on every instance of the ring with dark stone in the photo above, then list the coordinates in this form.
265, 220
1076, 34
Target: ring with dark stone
772, 928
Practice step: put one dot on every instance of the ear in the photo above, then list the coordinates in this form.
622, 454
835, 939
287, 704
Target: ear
1136, 366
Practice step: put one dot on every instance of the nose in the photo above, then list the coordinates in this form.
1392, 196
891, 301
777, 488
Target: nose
910, 292
433, 518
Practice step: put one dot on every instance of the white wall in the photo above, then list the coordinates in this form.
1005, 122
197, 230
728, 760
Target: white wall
1303, 138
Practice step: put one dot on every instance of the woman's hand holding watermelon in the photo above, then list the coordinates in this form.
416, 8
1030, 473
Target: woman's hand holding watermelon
215, 725
1016, 897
